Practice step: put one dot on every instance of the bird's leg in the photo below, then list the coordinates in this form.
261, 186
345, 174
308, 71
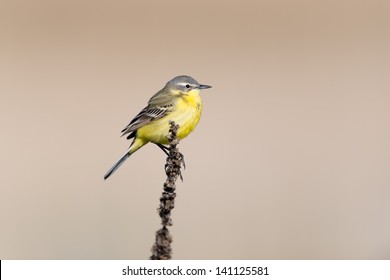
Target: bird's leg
165, 149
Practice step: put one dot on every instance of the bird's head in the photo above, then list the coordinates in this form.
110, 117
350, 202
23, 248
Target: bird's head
185, 85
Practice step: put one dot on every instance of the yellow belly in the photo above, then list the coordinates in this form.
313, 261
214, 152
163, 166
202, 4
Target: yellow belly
186, 114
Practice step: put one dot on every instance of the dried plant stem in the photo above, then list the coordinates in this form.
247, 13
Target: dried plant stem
162, 247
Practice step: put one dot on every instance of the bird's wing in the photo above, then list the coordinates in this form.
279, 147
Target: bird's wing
144, 117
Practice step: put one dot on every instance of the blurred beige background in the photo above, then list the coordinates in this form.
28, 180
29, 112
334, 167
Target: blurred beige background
290, 160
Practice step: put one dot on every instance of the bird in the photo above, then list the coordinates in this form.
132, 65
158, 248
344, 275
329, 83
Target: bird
177, 101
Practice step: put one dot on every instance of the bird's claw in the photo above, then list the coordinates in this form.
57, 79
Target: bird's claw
182, 160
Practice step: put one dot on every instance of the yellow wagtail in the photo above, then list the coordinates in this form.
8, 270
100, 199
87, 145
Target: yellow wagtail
178, 101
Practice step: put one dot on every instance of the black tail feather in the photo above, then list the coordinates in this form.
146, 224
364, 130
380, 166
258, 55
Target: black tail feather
117, 165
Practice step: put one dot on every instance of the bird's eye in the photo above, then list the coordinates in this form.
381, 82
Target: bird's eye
187, 86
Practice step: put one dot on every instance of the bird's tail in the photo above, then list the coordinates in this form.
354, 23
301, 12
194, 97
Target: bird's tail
117, 164
137, 143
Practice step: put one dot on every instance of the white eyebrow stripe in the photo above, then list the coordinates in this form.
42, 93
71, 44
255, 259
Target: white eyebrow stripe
183, 84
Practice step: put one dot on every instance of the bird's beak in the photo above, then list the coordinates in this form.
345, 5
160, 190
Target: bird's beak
204, 86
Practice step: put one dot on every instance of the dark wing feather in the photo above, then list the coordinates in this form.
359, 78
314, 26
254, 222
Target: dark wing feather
144, 117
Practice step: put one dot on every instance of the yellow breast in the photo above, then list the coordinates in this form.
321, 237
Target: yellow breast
186, 114
191, 109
